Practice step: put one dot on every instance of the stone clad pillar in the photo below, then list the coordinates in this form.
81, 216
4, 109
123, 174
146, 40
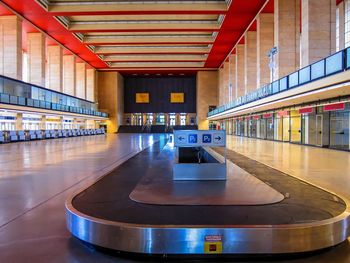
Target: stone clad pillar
90, 84
265, 35
240, 70
220, 86
80, 80
11, 46
286, 31
316, 30
233, 62
54, 68
69, 74
225, 90
36, 58
250, 62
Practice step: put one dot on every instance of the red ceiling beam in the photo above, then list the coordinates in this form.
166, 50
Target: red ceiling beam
225, 40
31, 11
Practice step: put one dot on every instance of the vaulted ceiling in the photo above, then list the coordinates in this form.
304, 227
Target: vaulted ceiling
147, 35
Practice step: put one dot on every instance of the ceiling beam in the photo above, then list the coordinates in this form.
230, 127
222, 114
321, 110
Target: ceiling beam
151, 50
142, 26
132, 8
99, 40
153, 58
156, 64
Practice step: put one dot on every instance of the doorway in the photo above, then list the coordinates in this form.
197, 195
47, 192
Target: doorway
319, 127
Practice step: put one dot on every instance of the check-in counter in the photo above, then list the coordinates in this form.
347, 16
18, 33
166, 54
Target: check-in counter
21, 135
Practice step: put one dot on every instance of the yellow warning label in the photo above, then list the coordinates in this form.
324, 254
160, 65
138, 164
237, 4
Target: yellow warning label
213, 244
213, 247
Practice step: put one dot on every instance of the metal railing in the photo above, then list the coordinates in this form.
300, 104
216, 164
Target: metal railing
16, 92
338, 62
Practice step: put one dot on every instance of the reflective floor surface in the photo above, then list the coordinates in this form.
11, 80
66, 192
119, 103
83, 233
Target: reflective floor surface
37, 177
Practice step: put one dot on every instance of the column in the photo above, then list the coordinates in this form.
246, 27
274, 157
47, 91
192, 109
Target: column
90, 84
265, 42
36, 58
250, 62
220, 86
19, 122
316, 30
286, 39
69, 74
225, 90
177, 119
43, 122
111, 98
54, 68
233, 76
80, 80
240, 70
11, 46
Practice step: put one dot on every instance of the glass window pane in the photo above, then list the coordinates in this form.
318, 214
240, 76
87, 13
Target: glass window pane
35, 93
317, 70
275, 87
293, 79
334, 63
283, 84
304, 75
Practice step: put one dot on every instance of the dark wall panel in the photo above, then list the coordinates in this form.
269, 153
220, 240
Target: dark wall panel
159, 89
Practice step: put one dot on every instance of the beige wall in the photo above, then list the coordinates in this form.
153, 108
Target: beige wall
110, 87
206, 96
90, 84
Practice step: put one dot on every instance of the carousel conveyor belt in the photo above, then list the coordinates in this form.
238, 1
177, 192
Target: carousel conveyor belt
308, 218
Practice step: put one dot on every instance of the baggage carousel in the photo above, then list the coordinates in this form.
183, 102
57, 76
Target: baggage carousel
138, 208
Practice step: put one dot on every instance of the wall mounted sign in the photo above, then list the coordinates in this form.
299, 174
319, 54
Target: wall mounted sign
306, 110
283, 113
334, 106
142, 97
196, 138
267, 115
177, 97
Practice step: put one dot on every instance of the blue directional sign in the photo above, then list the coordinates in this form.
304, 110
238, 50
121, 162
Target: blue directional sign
195, 138
192, 138
206, 138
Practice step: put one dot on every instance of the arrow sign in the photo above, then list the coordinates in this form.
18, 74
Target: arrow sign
181, 138
217, 138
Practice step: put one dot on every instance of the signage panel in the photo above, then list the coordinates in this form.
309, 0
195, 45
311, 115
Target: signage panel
335, 106
306, 110
177, 97
142, 97
196, 138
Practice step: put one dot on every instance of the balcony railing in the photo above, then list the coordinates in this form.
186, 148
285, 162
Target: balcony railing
338, 62
20, 93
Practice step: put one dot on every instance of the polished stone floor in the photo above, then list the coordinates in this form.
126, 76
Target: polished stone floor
37, 177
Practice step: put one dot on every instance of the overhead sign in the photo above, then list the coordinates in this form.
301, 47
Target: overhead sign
142, 97
177, 97
196, 138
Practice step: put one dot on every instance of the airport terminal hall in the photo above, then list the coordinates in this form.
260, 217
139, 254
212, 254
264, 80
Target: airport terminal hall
174, 131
